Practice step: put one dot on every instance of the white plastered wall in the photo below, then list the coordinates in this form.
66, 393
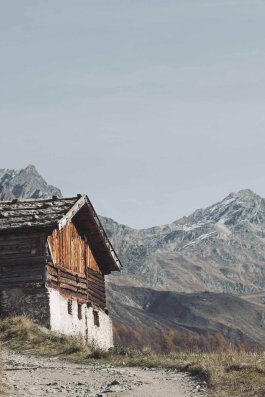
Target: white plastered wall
69, 324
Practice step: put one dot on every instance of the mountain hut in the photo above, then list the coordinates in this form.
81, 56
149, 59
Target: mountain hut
54, 256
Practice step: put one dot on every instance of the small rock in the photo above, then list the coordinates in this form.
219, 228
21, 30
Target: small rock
114, 383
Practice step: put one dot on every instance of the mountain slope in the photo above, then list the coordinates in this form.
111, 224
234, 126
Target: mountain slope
204, 313
220, 248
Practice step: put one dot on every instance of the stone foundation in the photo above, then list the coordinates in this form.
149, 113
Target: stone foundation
32, 301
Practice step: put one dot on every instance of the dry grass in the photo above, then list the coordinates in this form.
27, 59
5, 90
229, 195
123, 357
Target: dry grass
21, 334
229, 373
232, 373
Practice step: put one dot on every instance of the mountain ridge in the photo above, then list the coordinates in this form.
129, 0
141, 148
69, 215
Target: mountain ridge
219, 249
221, 233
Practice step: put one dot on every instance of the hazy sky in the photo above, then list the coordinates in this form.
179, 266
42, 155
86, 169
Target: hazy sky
154, 108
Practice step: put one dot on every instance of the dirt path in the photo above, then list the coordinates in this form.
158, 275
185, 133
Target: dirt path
39, 377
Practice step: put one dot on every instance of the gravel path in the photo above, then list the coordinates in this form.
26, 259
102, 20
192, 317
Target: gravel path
39, 377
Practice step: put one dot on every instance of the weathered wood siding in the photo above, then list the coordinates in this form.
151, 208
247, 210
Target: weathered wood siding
86, 288
22, 258
71, 267
71, 251
74, 269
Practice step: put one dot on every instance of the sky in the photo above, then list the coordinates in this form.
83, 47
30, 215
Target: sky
153, 108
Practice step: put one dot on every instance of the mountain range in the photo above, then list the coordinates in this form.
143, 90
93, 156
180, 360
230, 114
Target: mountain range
220, 248
204, 272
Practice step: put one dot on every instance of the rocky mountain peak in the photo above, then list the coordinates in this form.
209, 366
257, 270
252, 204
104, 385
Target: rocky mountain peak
31, 169
242, 206
26, 183
245, 194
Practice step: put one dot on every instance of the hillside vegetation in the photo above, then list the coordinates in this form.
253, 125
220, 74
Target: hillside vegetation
202, 316
229, 372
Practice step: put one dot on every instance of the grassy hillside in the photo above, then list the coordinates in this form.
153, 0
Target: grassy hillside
148, 314
227, 373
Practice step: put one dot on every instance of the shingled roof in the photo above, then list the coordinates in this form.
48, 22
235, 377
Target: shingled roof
53, 213
39, 213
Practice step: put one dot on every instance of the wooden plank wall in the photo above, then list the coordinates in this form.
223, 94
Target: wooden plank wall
71, 251
89, 287
21, 245
74, 270
22, 258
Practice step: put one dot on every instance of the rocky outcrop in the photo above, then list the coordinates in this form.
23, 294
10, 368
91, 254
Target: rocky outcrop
24, 184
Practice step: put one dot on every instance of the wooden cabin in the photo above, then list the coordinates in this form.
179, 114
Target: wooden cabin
54, 255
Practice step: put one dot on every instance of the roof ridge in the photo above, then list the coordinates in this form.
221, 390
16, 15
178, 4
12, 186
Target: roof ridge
30, 200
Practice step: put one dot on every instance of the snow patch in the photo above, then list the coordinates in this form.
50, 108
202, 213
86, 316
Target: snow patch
199, 239
222, 229
222, 205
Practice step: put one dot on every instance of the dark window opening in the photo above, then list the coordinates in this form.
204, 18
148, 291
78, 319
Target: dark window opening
79, 311
70, 307
96, 318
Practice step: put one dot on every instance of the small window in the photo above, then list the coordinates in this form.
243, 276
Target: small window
70, 307
79, 311
96, 318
